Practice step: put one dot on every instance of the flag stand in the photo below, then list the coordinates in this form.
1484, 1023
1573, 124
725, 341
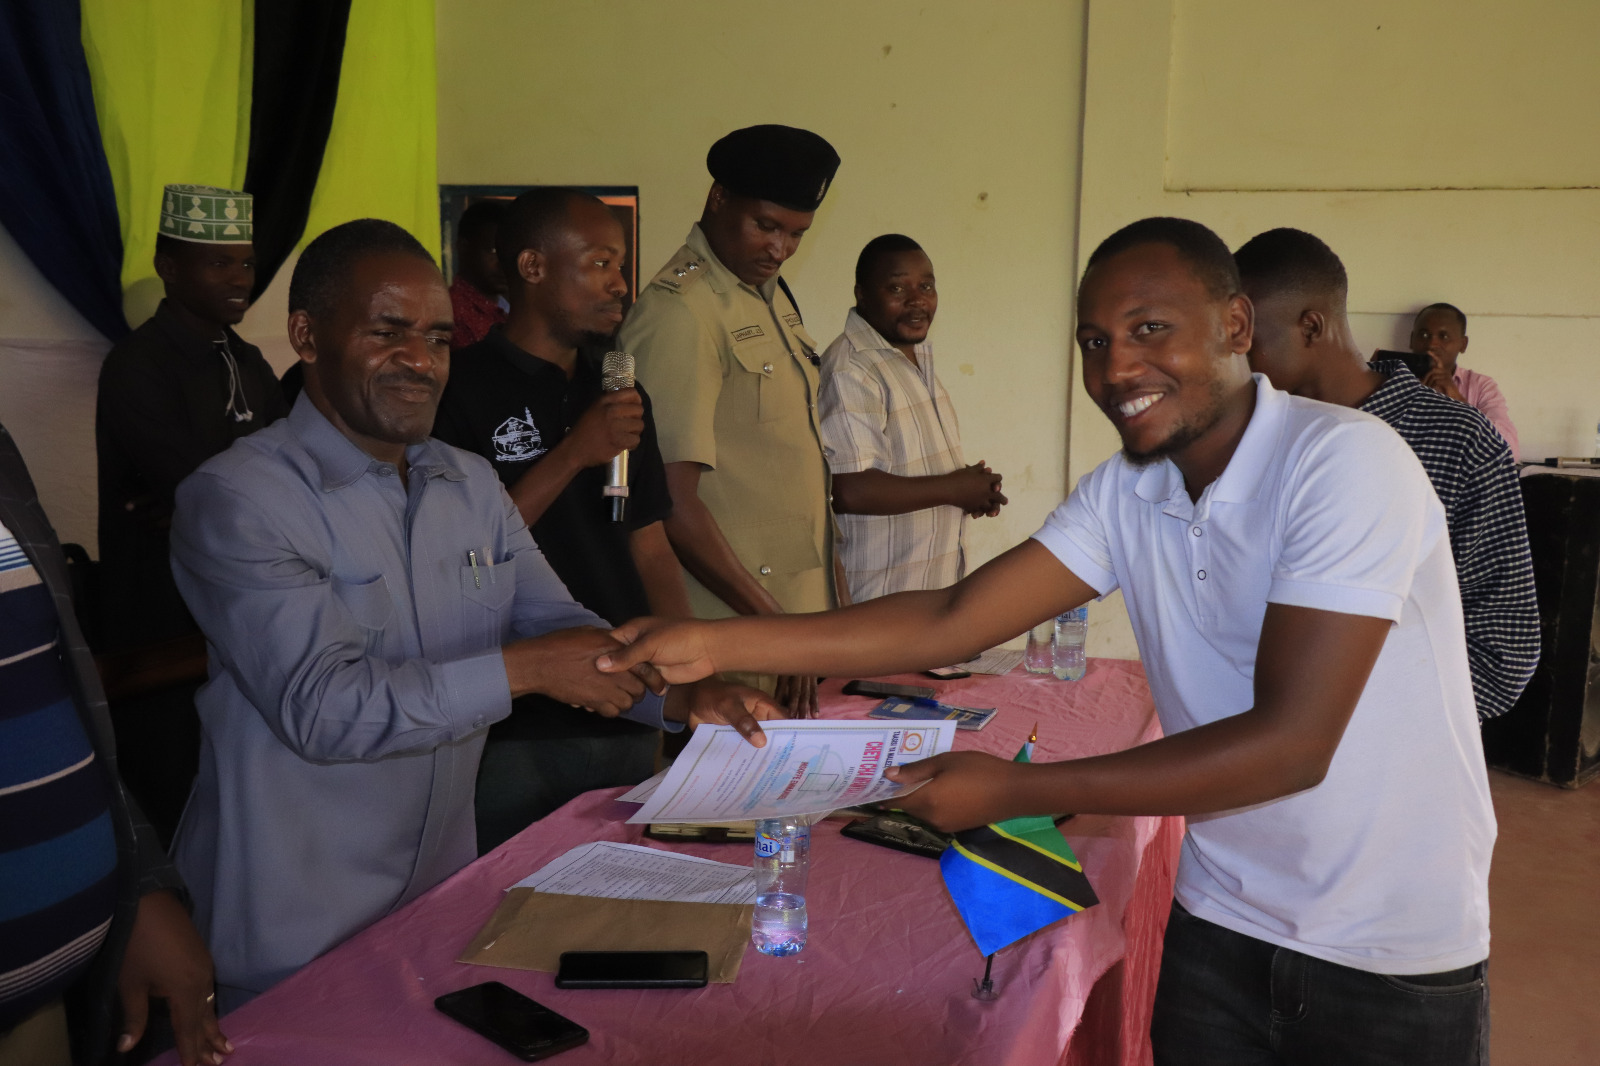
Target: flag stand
984, 990
1011, 878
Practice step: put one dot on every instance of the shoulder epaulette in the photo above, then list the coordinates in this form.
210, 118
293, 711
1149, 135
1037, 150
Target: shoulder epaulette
681, 271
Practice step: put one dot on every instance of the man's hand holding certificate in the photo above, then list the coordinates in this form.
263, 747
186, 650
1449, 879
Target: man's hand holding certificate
806, 767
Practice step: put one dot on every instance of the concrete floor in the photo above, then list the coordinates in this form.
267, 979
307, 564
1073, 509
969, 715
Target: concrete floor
1544, 907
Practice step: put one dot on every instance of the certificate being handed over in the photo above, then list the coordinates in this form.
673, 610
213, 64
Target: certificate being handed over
806, 767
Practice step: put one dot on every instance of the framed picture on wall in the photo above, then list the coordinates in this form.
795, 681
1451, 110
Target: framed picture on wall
622, 199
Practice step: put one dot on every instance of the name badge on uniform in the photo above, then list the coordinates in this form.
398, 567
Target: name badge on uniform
792, 319
748, 333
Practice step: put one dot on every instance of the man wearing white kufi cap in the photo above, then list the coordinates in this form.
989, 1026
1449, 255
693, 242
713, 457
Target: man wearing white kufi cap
176, 391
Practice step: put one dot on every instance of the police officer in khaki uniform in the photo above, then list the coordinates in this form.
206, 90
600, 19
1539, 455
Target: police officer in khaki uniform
733, 373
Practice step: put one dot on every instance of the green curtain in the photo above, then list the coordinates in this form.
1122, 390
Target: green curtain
382, 154
171, 85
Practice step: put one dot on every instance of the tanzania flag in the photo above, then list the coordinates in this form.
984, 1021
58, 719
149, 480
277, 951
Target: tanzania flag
1012, 878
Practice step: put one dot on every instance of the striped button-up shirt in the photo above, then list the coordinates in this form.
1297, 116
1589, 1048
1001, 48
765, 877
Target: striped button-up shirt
1472, 472
881, 411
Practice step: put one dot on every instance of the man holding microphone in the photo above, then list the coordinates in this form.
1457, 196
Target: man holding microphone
532, 399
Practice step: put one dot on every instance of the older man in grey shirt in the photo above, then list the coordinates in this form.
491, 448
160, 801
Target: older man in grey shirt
367, 594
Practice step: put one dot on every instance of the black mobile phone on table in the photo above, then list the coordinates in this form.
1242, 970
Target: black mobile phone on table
632, 969
948, 673
880, 689
529, 1030
900, 832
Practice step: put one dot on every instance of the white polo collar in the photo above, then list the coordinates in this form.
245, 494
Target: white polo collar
1241, 478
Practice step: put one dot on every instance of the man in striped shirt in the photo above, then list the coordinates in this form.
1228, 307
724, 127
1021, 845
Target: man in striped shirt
1304, 345
89, 904
901, 490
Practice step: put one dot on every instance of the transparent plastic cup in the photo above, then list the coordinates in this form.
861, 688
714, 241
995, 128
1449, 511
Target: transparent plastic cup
1038, 657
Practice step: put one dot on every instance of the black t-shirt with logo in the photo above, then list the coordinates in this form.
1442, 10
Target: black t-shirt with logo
512, 408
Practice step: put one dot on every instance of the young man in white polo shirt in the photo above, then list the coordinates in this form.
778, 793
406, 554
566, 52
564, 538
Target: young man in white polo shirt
1288, 573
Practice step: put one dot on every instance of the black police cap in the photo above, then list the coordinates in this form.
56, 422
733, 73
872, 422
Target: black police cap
793, 168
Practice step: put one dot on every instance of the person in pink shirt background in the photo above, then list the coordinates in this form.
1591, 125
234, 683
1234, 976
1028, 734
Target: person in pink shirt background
1440, 333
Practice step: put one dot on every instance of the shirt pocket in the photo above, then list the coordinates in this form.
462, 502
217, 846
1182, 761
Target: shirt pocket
488, 589
370, 604
775, 549
756, 361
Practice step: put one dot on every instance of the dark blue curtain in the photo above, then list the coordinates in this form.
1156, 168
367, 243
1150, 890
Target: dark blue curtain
56, 198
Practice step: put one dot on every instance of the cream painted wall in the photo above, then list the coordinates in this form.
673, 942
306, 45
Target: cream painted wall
1373, 94
1181, 95
957, 124
49, 363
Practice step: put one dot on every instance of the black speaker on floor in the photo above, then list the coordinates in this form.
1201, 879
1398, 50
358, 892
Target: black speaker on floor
1553, 732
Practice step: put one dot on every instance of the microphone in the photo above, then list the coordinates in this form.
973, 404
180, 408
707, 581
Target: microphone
616, 373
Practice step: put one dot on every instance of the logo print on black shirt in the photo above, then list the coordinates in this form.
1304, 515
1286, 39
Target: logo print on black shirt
517, 440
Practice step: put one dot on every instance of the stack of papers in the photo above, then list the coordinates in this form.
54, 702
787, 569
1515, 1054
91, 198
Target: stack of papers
610, 896
628, 871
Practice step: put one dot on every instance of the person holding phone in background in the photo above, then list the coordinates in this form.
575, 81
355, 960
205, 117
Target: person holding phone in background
1440, 333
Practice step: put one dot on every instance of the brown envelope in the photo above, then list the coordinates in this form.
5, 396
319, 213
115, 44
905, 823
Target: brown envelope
530, 930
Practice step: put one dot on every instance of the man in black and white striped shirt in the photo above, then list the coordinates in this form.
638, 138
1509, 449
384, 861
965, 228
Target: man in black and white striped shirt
1304, 345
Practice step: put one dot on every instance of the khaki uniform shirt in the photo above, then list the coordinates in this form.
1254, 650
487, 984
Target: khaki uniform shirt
729, 369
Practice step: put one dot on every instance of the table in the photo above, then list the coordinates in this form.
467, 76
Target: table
885, 978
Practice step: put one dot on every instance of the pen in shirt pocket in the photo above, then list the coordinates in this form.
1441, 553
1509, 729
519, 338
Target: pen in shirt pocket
473, 558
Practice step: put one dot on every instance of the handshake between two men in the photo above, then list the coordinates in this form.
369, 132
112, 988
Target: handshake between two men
562, 666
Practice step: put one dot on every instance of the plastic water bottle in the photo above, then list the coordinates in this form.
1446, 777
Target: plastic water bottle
1036, 657
783, 858
1072, 632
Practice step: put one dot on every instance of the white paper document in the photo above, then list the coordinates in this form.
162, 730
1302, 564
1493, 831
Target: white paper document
641, 792
629, 871
807, 767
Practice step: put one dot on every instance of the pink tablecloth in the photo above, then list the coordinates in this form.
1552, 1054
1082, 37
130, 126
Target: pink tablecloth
886, 977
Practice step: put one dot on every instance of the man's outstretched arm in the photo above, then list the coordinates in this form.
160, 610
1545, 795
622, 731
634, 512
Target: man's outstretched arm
906, 631
1311, 667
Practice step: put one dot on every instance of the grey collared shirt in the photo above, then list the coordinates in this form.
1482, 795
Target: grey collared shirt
354, 630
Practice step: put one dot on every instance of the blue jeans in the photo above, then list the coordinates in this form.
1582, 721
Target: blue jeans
522, 779
1226, 999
